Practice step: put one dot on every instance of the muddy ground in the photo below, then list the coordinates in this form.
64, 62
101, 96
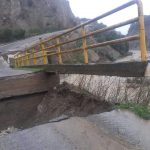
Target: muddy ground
28, 111
71, 101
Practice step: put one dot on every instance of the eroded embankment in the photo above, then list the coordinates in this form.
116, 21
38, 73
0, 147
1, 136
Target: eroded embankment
30, 110
67, 99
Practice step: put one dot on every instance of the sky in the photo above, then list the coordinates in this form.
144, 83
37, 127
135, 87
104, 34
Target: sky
93, 8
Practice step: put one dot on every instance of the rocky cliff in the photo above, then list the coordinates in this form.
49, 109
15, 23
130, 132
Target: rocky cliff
134, 30
36, 14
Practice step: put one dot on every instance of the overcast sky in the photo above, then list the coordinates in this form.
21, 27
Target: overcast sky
93, 8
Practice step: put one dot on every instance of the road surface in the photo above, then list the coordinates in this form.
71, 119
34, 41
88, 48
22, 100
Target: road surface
72, 134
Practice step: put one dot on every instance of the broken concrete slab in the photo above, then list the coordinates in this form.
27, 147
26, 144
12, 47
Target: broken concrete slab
26, 84
72, 134
125, 126
121, 69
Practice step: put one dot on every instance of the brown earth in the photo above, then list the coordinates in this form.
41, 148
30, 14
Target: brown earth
28, 111
69, 100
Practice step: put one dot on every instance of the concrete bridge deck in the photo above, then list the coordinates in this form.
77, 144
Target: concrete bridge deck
72, 134
122, 69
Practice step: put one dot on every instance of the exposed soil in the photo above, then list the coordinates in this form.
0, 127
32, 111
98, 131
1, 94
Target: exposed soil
67, 99
28, 111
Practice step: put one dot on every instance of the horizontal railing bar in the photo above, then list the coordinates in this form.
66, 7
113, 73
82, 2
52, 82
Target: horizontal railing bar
73, 50
36, 53
130, 3
90, 21
56, 53
131, 38
113, 27
112, 42
96, 32
95, 19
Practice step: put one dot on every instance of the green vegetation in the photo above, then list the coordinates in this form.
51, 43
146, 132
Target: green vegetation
79, 43
18, 34
7, 35
78, 57
141, 110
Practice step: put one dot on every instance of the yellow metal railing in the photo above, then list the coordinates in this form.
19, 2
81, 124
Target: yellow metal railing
32, 54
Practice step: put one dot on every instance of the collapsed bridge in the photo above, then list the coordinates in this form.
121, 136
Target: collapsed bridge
41, 54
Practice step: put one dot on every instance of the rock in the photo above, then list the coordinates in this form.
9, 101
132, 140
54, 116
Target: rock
36, 14
134, 30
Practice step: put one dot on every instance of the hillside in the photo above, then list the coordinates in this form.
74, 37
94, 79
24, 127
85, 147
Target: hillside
36, 15
20, 19
134, 30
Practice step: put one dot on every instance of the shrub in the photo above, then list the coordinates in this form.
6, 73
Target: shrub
5, 35
140, 110
111, 35
18, 34
33, 31
78, 57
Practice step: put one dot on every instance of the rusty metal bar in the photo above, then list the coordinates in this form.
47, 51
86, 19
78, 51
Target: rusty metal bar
142, 31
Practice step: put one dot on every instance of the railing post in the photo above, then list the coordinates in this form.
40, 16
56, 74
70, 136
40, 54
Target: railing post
86, 59
22, 61
142, 31
34, 57
59, 52
18, 60
15, 61
43, 53
27, 58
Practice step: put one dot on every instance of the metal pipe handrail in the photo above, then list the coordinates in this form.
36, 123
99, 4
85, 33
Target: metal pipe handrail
96, 32
91, 21
93, 33
111, 42
44, 49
